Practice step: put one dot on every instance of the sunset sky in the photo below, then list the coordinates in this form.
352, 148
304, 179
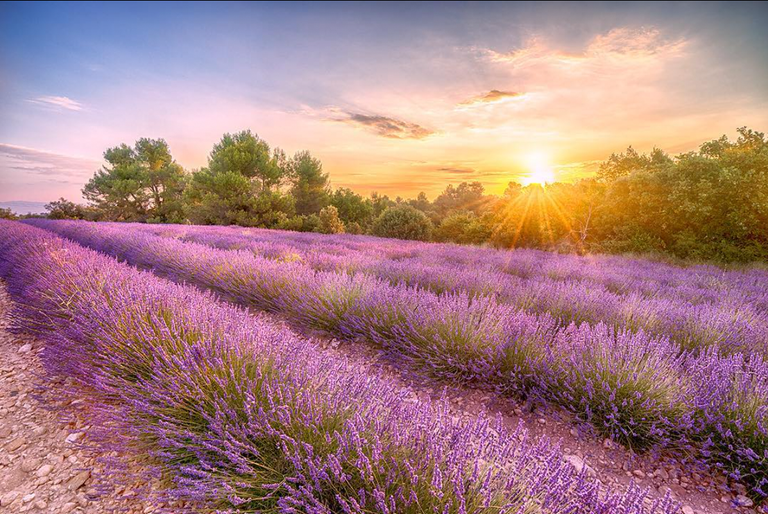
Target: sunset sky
396, 98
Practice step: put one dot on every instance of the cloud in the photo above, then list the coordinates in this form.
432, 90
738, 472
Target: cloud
458, 171
388, 127
17, 159
58, 102
492, 96
619, 44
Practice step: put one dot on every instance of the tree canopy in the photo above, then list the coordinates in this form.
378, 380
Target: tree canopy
710, 204
139, 183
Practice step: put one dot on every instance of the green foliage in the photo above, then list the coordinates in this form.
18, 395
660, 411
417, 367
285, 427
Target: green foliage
463, 228
354, 228
711, 204
309, 184
63, 209
380, 203
245, 154
239, 185
139, 183
465, 197
229, 198
421, 202
705, 205
7, 214
298, 223
352, 207
330, 222
403, 222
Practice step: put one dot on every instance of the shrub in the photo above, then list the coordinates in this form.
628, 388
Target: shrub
330, 222
403, 222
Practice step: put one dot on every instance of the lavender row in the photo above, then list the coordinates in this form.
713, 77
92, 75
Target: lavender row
619, 274
245, 416
638, 389
726, 321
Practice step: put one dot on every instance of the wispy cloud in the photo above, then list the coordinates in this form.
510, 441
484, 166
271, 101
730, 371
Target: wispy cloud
20, 159
491, 96
458, 171
58, 102
388, 127
621, 43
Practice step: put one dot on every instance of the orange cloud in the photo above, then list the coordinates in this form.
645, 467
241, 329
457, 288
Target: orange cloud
492, 96
388, 127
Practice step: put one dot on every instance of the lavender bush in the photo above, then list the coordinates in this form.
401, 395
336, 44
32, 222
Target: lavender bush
239, 415
696, 309
641, 390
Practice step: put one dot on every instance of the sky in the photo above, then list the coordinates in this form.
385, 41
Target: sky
394, 98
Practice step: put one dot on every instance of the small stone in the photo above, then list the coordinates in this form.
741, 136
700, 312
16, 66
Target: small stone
662, 473
15, 444
579, 465
687, 509
8, 498
25, 348
44, 470
639, 473
40, 504
5, 432
77, 481
744, 501
67, 508
28, 498
74, 437
29, 465
542, 421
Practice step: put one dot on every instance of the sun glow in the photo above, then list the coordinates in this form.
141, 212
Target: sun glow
540, 170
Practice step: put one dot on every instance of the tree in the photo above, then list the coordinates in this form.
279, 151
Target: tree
711, 204
421, 202
403, 222
465, 197
229, 198
330, 222
245, 154
138, 184
239, 186
463, 228
380, 203
352, 207
309, 184
7, 214
623, 164
63, 209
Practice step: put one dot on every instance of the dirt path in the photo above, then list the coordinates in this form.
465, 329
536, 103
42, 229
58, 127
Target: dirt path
43, 467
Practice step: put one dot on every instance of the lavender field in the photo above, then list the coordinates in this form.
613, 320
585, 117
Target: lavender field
239, 413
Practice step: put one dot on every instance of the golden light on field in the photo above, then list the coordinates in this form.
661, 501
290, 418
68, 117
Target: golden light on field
540, 170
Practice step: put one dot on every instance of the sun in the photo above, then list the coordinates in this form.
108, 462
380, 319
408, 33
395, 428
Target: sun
540, 170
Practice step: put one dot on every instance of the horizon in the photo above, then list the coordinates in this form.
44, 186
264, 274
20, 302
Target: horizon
395, 100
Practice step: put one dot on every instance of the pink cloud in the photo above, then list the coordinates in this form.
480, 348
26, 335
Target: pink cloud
59, 102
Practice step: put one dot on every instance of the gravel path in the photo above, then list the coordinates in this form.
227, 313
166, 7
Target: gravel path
43, 465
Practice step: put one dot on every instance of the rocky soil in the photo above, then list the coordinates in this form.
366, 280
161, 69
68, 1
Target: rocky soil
44, 465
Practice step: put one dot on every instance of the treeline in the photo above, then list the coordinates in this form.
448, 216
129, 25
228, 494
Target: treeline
710, 204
